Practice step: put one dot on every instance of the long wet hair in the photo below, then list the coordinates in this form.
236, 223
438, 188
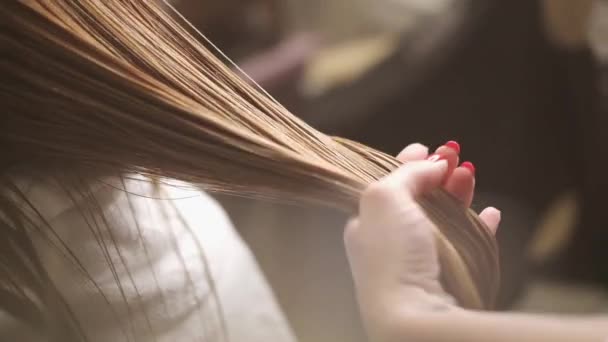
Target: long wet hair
99, 87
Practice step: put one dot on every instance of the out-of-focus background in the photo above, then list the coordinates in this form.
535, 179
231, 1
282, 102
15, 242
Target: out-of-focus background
521, 84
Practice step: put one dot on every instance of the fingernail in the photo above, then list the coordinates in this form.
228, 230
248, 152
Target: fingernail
435, 157
468, 165
498, 213
453, 145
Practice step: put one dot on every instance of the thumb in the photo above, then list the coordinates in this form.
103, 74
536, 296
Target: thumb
491, 217
420, 177
402, 185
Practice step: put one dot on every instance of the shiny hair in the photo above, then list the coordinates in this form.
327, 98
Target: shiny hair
116, 87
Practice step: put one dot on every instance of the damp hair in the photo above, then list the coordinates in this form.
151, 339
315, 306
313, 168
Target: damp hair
120, 87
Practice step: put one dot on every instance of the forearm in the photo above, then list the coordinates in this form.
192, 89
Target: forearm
396, 271
413, 321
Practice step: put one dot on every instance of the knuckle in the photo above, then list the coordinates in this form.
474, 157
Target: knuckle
378, 191
412, 177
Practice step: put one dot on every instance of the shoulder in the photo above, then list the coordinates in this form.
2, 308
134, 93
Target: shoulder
159, 239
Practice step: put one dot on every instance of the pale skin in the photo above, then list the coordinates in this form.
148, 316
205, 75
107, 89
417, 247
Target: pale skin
394, 263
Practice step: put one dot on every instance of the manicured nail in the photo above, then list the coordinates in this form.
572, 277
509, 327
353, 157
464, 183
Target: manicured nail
435, 157
453, 145
468, 165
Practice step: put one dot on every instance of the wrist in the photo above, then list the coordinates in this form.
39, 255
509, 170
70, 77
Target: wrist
391, 315
386, 295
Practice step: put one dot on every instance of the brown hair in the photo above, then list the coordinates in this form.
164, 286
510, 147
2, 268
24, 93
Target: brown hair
122, 86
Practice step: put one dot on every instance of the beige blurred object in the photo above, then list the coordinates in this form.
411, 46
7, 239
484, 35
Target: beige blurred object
599, 29
301, 253
550, 296
402, 15
555, 228
334, 20
340, 20
344, 63
567, 21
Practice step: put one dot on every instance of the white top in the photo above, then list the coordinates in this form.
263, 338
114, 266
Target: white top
175, 242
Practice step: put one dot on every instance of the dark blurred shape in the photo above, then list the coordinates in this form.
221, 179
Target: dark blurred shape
238, 27
279, 68
523, 109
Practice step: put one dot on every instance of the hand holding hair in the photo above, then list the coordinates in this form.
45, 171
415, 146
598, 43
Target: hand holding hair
394, 260
390, 244
117, 87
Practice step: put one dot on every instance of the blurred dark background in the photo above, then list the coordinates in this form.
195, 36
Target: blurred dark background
520, 84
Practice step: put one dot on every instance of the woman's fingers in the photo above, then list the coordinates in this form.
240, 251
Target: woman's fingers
400, 187
459, 180
419, 177
491, 217
413, 152
461, 184
449, 151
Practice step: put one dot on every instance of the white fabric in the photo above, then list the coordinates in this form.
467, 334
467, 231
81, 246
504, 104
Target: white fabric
172, 247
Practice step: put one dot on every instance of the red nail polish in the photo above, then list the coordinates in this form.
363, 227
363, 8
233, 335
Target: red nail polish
468, 165
435, 157
453, 145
